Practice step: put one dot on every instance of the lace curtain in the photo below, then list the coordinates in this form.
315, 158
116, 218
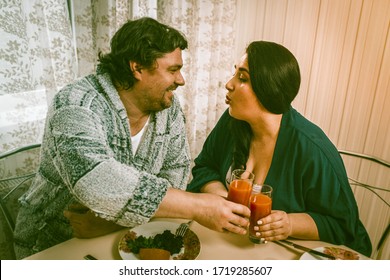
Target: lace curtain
36, 58
47, 44
209, 27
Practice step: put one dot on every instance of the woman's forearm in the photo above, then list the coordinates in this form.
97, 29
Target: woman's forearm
215, 187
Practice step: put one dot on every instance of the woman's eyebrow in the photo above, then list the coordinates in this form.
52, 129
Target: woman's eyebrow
242, 69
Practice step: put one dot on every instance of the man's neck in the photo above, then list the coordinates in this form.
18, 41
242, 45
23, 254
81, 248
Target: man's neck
137, 117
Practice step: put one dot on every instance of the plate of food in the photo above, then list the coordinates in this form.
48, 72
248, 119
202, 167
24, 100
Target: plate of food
157, 241
337, 252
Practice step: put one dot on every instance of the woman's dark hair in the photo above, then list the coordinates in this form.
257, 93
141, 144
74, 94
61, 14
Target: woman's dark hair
274, 74
275, 79
143, 41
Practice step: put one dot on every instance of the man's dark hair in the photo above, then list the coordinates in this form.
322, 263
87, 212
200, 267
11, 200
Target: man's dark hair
143, 41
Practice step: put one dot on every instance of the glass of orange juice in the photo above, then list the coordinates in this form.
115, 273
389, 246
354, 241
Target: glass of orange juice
260, 204
240, 187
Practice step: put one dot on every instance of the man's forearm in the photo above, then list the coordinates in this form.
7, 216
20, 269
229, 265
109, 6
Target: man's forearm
177, 204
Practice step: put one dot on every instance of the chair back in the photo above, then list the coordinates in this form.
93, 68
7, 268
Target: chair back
369, 178
17, 170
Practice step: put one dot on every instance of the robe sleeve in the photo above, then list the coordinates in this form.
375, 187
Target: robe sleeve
214, 160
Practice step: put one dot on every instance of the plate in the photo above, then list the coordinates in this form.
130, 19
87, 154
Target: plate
189, 251
339, 253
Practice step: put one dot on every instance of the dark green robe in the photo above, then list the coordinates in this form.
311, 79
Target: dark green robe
307, 174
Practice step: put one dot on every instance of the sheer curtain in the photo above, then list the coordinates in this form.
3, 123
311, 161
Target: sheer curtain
210, 29
36, 58
49, 43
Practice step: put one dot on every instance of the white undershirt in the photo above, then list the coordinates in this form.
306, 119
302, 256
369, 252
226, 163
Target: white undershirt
136, 139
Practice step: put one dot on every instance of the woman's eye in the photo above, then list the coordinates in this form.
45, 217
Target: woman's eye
242, 78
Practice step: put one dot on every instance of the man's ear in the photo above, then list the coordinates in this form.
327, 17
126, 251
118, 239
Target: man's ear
136, 69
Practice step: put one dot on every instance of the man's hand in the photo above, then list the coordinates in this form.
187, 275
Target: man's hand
86, 224
209, 210
222, 215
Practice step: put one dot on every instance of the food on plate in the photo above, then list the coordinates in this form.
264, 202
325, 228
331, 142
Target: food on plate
187, 247
341, 254
154, 254
166, 241
191, 246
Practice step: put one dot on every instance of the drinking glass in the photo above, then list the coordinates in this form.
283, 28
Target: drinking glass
260, 204
240, 187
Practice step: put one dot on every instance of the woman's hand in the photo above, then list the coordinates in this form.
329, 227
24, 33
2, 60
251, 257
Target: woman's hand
280, 225
275, 226
86, 224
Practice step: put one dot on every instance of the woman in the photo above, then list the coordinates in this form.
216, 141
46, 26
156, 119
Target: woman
262, 133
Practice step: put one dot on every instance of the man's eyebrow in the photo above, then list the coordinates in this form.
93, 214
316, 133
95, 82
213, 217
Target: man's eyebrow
176, 66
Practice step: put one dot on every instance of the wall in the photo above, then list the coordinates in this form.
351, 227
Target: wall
343, 50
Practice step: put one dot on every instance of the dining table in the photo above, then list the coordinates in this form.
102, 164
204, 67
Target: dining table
213, 246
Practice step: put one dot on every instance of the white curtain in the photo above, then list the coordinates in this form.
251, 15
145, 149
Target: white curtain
48, 44
36, 58
209, 27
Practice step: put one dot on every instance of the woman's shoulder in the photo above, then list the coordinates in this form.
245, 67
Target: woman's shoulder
307, 130
311, 140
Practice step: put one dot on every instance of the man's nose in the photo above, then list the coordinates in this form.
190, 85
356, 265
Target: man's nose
180, 79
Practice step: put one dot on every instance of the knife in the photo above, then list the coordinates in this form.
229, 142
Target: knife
310, 251
89, 257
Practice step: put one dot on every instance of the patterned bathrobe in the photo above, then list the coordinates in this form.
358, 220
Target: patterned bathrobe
87, 156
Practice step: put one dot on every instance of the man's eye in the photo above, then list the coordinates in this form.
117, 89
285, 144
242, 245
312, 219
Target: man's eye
174, 70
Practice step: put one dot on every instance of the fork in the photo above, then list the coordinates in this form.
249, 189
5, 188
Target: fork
182, 229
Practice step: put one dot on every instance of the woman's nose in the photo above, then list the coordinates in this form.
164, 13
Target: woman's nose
229, 85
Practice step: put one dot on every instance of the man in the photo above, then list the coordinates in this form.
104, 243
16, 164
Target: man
115, 152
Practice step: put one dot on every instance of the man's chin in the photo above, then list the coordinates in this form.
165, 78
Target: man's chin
166, 105
168, 100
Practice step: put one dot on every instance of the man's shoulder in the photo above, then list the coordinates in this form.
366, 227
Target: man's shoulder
76, 93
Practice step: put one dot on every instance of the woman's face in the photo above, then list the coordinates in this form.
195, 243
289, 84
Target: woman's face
242, 100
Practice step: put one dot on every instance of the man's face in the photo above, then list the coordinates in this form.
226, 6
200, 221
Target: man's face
158, 83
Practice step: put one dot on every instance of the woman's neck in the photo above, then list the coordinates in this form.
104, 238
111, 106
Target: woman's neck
262, 147
267, 128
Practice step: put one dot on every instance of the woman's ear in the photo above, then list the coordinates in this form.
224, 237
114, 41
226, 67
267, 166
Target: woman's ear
136, 69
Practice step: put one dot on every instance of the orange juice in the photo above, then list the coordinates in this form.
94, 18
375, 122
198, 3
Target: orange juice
260, 205
240, 191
